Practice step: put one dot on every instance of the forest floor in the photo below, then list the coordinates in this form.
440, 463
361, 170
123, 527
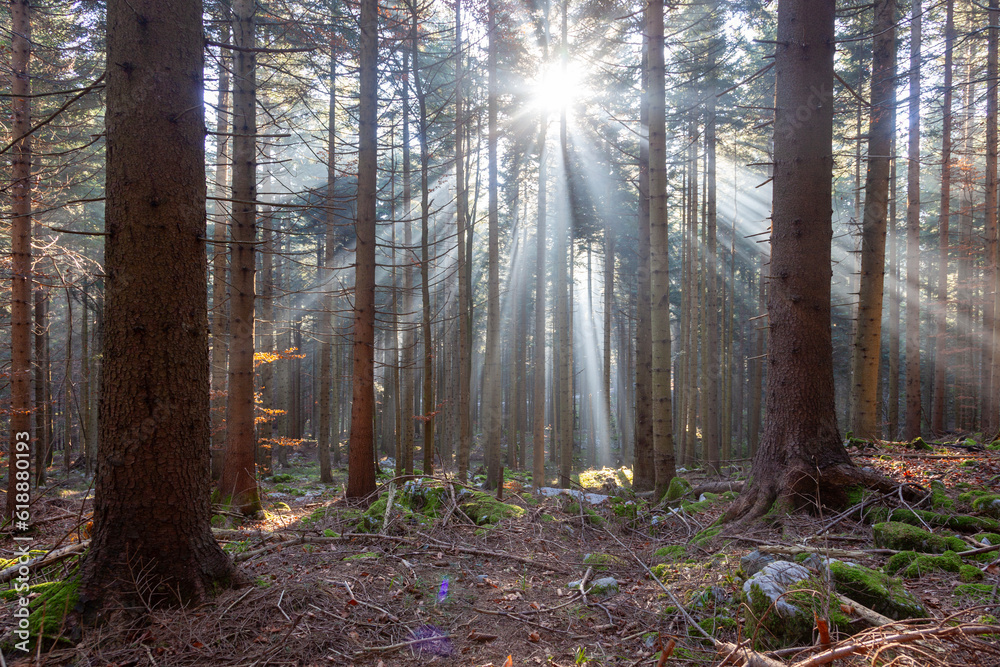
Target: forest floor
453, 578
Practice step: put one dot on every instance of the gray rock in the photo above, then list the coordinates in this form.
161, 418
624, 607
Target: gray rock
755, 561
774, 580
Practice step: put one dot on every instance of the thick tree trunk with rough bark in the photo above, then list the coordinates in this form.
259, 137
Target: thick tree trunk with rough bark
461, 215
865, 400
361, 454
20, 234
913, 404
801, 460
151, 508
238, 485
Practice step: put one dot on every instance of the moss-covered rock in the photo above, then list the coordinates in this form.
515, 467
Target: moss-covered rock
674, 552
959, 522
485, 509
919, 444
982, 501
921, 564
994, 446
713, 625
970, 573
904, 537
678, 487
705, 535
939, 496
875, 590
790, 621
978, 593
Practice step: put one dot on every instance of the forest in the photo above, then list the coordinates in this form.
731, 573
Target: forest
496, 332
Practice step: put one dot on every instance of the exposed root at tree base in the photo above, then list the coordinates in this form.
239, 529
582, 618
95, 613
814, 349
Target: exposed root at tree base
800, 488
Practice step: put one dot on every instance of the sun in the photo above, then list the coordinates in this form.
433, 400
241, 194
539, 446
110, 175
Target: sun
557, 86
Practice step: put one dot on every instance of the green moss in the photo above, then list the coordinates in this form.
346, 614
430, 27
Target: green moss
810, 598
317, 515
970, 573
993, 538
919, 444
602, 561
712, 625
960, 522
4, 564
678, 487
330, 533
673, 552
978, 593
969, 463
282, 477
904, 537
923, 564
662, 570
281, 507
994, 446
485, 509
48, 611
939, 496
219, 521
546, 518
875, 590
362, 556
899, 561
706, 535
589, 515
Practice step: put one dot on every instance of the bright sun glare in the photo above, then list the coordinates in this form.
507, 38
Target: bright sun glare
556, 87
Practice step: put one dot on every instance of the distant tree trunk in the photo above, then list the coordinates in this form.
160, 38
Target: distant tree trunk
361, 455
913, 403
757, 370
238, 485
43, 440
991, 351
894, 297
89, 447
491, 370
265, 431
663, 442
965, 334
866, 402
428, 405
405, 463
609, 306
644, 471
325, 317
538, 340
801, 459
151, 507
938, 407
461, 215
711, 432
20, 234
68, 387
220, 279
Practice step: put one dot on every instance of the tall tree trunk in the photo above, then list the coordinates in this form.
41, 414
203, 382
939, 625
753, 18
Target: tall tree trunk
464, 268
659, 264
865, 399
965, 334
239, 480
938, 407
607, 457
644, 471
711, 353
68, 387
361, 454
20, 234
991, 351
265, 431
801, 458
913, 403
538, 339
405, 463
894, 299
491, 369
151, 507
220, 279
42, 437
325, 332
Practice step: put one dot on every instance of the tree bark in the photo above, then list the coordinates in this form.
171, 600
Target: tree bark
238, 485
325, 332
941, 315
866, 402
913, 403
801, 460
151, 507
662, 418
991, 409
538, 340
361, 454
461, 215
20, 234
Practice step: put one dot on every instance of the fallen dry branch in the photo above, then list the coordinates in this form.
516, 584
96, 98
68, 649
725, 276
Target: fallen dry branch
795, 550
51, 557
858, 645
748, 657
870, 616
395, 647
